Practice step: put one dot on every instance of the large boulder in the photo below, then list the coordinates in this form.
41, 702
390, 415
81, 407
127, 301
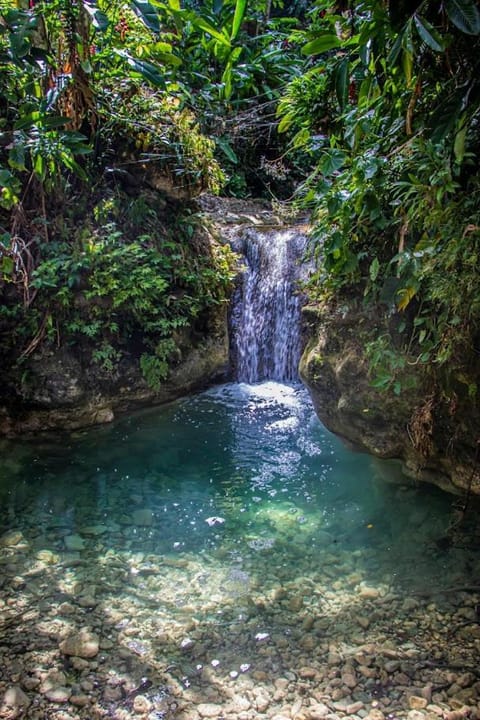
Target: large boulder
433, 431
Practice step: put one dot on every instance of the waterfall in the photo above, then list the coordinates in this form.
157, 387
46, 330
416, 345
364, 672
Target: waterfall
265, 318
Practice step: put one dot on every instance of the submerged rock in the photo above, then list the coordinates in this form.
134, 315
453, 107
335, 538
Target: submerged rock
84, 644
14, 704
74, 543
11, 538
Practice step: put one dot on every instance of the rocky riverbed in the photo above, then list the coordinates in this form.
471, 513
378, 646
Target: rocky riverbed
88, 632
224, 557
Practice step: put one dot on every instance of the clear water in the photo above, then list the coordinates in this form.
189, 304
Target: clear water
212, 526
228, 477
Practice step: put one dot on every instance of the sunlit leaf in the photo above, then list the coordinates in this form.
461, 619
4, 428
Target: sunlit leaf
240, 8
406, 295
16, 157
208, 28
98, 18
147, 13
321, 44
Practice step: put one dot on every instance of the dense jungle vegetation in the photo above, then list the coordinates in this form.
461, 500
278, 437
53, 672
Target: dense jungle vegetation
114, 115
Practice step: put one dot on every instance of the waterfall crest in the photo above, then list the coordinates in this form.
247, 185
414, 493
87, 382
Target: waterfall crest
265, 320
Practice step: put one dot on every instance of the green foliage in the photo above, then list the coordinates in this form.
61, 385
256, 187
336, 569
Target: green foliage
155, 366
392, 137
112, 291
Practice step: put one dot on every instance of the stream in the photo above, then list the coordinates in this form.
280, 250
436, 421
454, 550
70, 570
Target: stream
226, 557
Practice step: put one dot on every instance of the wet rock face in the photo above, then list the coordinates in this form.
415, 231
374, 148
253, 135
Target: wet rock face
335, 369
68, 391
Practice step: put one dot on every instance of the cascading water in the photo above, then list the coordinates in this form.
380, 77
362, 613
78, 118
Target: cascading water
265, 321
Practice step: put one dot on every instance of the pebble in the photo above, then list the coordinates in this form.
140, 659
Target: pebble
141, 705
209, 710
58, 694
143, 517
84, 644
74, 542
369, 593
14, 703
11, 538
319, 711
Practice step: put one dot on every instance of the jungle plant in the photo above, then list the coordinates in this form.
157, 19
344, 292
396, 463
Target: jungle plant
393, 135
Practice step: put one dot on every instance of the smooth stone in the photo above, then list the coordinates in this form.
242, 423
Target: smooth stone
141, 705
95, 530
79, 700
363, 621
74, 542
84, 645
417, 703
369, 593
48, 557
354, 708
87, 601
238, 704
349, 680
14, 703
209, 710
391, 666
415, 715
144, 517
58, 694
112, 694
30, 683
296, 603
11, 538
318, 711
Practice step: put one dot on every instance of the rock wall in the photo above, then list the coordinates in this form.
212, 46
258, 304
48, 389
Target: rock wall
62, 389
434, 431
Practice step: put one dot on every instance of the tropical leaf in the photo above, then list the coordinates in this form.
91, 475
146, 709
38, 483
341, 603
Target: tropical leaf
321, 44
428, 34
464, 14
374, 269
341, 81
147, 14
331, 161
145, 69
406, 295
227, 150
240, 8
98, 18
204, 25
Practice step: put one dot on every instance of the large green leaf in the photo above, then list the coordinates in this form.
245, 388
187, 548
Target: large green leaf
240, 8
341, 82
428, 34
204, 25
321, 44
331, 161
147, 13
98, 18
145, 69
464, 14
